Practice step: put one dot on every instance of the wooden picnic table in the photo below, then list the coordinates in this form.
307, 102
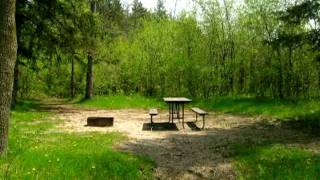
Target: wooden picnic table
176, 107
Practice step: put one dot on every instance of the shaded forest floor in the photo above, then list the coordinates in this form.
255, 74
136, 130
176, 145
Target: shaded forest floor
231, 146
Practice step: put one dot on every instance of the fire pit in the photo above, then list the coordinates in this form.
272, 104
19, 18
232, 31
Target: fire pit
100, 121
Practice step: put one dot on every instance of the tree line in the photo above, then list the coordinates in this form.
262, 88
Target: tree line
219, 48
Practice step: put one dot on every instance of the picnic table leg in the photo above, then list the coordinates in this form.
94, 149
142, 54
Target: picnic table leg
178, 111
172, 113
169, 112
183, 115
196, 117
151, 121
203, 121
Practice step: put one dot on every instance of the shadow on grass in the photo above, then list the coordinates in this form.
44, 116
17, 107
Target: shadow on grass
279, 152
56, 106
309, 123
27, 105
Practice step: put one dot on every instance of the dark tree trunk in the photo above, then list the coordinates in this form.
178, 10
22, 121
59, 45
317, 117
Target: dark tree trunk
8, 54
318, 78
72, 88
89, 86
15, 85
280, 78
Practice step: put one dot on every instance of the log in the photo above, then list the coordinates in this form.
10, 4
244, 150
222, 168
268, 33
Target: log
100, 121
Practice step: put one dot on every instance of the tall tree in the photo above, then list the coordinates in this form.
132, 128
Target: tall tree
89, 82
8, 54
161, 10
138, 13
23, 26
305, 14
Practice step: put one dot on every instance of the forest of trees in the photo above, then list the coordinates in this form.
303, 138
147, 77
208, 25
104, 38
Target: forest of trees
265, 48
81, 48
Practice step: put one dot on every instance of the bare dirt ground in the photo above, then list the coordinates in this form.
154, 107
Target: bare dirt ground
186, 153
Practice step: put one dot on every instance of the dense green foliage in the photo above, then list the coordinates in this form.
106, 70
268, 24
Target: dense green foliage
38, 150
221, 48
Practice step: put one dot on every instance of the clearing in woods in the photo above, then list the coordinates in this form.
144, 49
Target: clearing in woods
189, 153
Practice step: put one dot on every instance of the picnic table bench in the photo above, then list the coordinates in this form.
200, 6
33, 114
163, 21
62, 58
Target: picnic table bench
153, 112
200, 112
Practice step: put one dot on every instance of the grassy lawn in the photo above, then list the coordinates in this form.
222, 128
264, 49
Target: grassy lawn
276, 162
265, 107
235, 105
37, 150
121, 102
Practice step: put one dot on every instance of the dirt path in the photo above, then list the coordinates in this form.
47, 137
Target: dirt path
183, 153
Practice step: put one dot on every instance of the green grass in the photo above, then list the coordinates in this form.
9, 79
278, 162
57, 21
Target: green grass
276, 162
265, 107
38, 150
121, 102
235, 105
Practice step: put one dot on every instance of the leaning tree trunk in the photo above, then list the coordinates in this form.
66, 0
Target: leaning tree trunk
8, 54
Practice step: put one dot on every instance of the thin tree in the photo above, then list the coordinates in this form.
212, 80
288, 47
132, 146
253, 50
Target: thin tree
89, 83
8, 54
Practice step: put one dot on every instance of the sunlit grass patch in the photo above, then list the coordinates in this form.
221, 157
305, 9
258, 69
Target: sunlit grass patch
71, 156
121, 102
37, 150
276, 162
259, 106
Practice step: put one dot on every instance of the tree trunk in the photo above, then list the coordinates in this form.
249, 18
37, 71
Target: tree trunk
280, 78
8, 54
318, 79
72, 88
15, 85
89, 86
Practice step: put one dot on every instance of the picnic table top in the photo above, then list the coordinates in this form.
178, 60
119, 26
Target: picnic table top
176, 99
